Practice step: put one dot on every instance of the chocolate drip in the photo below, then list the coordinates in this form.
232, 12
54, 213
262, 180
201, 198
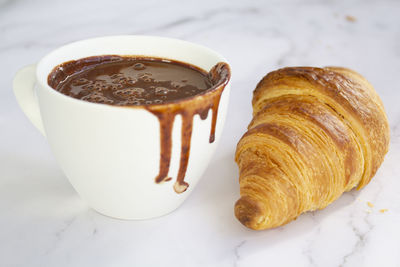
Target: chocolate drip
219, 76
214, 110
180, 185
166, 124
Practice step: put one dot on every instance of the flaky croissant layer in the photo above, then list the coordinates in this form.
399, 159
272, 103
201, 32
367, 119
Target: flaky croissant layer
315, 133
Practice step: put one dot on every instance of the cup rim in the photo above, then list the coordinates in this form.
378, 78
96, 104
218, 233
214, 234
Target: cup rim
48, 88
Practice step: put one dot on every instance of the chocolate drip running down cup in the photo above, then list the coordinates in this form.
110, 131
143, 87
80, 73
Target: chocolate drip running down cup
199, 104
164, 87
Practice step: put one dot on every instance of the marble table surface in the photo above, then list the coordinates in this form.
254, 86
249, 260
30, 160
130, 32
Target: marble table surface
43, 222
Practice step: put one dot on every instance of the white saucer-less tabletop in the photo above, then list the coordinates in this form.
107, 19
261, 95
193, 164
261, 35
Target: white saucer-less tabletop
43, 222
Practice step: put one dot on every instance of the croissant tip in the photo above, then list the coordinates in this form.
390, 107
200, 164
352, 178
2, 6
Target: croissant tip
249, 212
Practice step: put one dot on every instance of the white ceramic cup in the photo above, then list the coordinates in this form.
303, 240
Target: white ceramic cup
111, 154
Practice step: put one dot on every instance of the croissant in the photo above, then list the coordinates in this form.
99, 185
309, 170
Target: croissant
315, 133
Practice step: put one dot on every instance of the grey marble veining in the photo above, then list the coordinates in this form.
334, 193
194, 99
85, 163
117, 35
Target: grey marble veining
43, 222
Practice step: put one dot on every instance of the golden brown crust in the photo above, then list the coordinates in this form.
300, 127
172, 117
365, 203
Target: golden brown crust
316, 132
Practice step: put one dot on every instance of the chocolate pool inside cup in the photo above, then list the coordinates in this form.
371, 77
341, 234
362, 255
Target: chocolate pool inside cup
164, 87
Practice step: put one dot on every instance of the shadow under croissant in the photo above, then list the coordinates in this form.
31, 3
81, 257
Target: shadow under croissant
213, 200
305, 232
250, 212
218, 191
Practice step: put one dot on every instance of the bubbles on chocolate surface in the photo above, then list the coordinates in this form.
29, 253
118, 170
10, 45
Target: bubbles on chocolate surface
129, 92
131, 101
131, 81
177, 84
139, 66
97, 97
88, 87
160, 91
80, 81
146, 77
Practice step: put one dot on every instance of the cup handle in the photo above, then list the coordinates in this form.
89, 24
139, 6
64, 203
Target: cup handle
23, 85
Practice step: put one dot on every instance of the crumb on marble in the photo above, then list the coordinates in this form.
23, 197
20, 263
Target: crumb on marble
350, 18
370, 204
368, 211
383, 210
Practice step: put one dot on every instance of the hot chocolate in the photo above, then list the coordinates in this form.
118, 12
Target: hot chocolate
118, 80
165, 88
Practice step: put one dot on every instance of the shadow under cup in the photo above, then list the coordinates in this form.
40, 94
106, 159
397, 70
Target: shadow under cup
111, 154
